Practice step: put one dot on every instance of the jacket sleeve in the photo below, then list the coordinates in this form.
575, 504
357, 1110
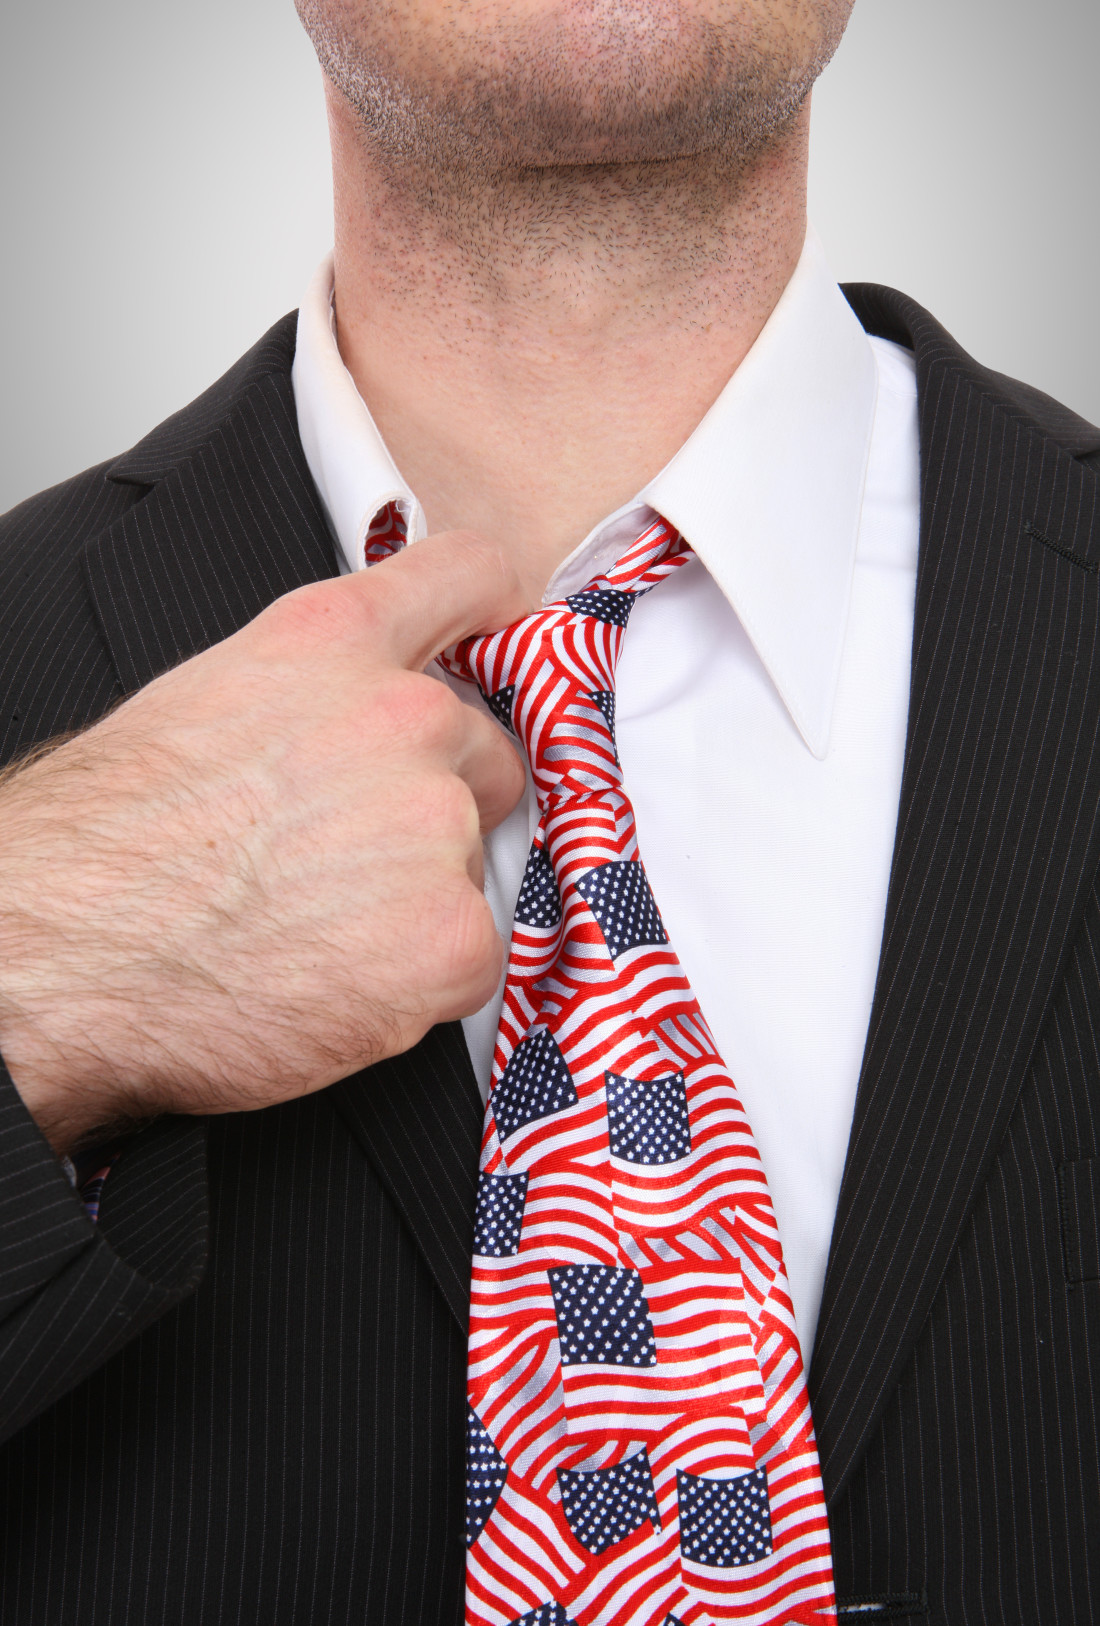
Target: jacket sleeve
73, 1292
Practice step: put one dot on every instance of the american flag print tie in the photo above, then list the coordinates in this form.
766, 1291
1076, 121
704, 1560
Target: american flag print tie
640, 1450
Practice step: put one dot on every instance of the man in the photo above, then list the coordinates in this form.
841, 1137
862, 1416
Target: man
242, 910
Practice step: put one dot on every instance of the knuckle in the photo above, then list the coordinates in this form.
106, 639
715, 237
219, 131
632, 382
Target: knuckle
478, 949
484, 562
513, 775
439, 814
423, 710
502, 789
320, 613
472, 548
452, 806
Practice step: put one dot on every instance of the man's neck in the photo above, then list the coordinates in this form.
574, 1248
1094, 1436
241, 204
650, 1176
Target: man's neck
533, 361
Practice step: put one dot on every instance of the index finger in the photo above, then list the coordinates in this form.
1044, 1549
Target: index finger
445, 588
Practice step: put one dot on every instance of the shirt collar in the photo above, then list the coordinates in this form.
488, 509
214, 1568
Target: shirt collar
347, 457
767, 489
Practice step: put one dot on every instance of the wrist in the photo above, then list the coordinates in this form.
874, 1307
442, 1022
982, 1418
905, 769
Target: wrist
68, 1112
50, 1033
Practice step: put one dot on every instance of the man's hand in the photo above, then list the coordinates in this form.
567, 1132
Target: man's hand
264, 870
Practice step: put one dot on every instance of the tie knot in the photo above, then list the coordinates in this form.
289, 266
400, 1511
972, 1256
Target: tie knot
550, 678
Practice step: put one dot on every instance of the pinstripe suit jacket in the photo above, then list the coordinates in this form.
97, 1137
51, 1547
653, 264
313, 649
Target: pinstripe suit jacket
240, 1399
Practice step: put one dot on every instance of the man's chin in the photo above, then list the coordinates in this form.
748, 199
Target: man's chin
520, 134
593, 148
507, 86
531, 109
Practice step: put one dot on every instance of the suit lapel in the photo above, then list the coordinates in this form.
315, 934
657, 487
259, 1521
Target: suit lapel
418, 1118
230, 521
996, 846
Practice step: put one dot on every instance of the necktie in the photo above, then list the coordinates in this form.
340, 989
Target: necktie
640, 1450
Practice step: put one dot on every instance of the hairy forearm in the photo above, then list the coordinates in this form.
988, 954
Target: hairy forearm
53, 1034
259, 873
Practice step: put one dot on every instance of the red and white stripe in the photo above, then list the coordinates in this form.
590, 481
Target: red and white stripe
727, 1395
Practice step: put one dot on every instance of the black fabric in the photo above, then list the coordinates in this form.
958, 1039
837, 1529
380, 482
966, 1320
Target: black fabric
285, 1446
241, 1398
997, 845
1081, 1219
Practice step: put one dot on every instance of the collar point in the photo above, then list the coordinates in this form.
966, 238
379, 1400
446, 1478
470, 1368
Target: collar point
816, 733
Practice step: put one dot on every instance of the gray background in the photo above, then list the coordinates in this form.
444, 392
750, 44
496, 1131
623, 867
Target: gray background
164, 196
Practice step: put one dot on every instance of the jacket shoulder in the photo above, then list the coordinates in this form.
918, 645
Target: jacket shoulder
97, 496
39, 533
55, 673
180, 436
889, 314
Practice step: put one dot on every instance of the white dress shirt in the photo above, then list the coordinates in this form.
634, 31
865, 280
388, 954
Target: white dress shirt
763, 692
